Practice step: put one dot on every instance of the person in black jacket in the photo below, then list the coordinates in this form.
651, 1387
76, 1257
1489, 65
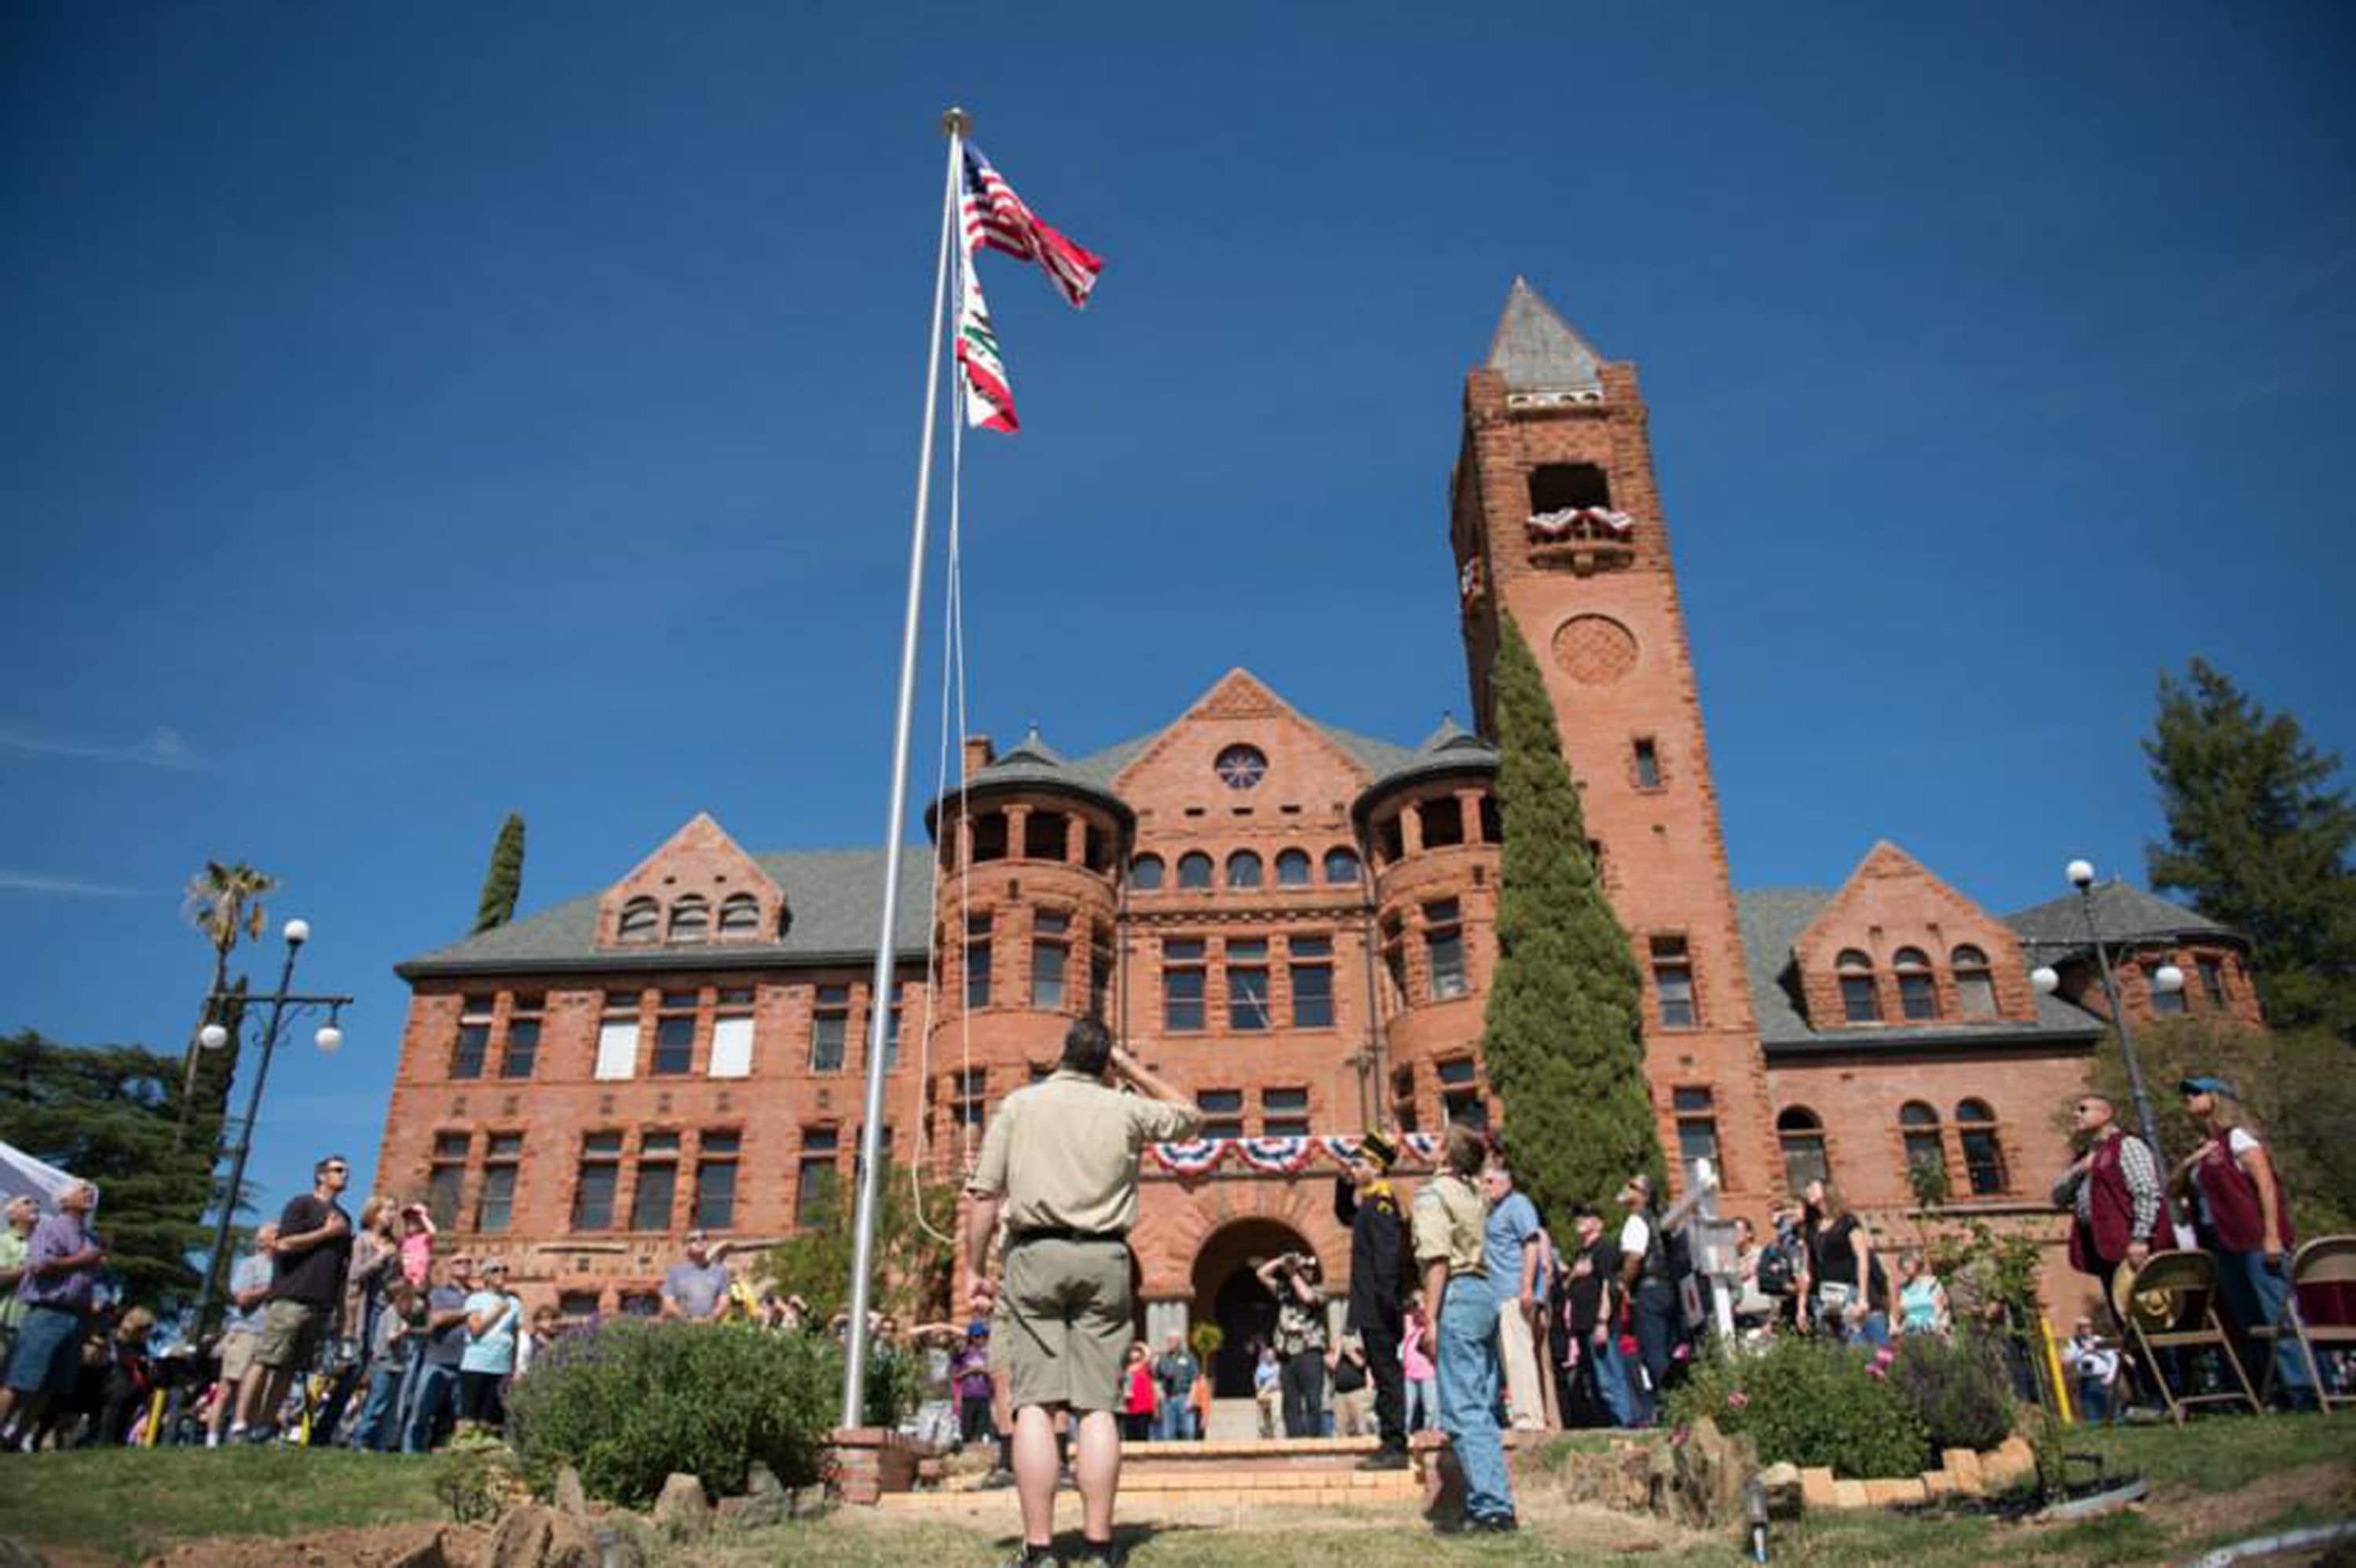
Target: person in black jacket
1362, 1199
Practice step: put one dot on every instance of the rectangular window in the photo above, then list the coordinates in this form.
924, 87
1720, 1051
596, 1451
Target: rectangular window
1247, 986
1312, 983
1461, 1098
1047, 959
446, 1178
1443, 822
1696, 1114
617, 1036
1860, 1002
732, 1046
829, 1028
650, 1202
1975, 993
1223, 1113
977, 961
496, 1205
675, 1033
1444, 937
1673, 981
641, 1304
970, 1096
715, 1180
1918, 995
473, 1038
1648, 763
1284, 1113
593, 1193
2212, 981
1182, 986
522, 1051
577, 1308
815, 1180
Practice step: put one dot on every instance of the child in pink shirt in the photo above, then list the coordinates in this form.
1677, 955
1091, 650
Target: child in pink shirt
416, 1244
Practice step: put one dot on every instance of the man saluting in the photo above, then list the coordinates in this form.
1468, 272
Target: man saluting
1362, 1199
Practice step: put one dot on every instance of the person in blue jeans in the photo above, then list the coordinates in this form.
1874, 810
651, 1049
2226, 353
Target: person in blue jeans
1449, 1215
1174, 1374
379, 1428
445, 1347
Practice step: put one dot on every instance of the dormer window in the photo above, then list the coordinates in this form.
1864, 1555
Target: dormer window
1861, 999
641, 918
740, 915
1974, 986
691, 919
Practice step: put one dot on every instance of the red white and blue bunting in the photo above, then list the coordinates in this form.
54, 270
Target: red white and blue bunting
1580, 522
1277, 1156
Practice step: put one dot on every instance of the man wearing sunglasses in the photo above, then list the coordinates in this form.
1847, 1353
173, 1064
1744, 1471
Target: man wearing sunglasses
308, 1262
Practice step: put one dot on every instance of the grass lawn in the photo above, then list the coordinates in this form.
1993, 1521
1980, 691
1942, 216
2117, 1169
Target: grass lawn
2221, 1480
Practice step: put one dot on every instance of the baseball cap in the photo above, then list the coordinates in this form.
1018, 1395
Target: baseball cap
2206, 1083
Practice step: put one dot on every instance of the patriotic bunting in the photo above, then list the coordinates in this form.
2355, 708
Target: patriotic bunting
1276, 1157
1194, 1157
1279, 1157
1577, 522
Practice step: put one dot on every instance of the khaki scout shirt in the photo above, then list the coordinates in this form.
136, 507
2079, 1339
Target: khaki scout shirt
1450, 1214
1064, 1153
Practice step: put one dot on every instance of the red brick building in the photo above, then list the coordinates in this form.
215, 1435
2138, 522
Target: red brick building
1294, 921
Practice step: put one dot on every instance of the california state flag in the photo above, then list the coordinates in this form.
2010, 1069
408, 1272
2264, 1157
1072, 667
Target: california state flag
989, 401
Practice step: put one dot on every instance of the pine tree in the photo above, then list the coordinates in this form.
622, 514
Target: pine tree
503, 883
1564, 1035
2259, 836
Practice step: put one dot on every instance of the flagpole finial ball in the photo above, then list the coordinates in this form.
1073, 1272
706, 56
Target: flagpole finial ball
956, 122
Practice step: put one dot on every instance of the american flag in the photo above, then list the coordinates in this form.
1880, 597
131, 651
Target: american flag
993, 216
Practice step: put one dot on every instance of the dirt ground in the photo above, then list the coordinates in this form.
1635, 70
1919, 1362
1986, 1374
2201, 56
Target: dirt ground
378, 1546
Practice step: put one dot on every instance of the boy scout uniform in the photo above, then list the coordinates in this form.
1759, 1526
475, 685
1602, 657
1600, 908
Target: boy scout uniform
1062, 1155
1451, 1217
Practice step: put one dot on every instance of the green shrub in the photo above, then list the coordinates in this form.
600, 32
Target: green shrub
1958, 1387
1812, 1403
630, 1402
480, 1478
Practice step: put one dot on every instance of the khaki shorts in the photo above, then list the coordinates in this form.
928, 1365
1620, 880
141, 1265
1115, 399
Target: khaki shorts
291, 1332
1064, 1323
237, 1356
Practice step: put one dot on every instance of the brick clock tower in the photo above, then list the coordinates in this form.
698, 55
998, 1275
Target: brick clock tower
1555, 521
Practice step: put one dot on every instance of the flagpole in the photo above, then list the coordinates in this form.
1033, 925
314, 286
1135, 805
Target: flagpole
955, 123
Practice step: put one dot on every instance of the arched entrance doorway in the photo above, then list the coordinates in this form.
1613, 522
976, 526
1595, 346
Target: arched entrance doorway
1226, 1292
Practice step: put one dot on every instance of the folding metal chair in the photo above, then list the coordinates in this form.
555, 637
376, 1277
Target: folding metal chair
2188, 1281
2325, 1261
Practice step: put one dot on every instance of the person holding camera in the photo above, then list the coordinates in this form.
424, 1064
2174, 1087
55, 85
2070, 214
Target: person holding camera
1060, 1161
1297, 1282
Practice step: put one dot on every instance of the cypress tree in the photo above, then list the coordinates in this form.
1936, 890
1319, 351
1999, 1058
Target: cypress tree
1564, 1034
503, 883
2259, 833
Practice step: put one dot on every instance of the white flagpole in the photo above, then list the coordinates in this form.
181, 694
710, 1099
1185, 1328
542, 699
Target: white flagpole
955, 122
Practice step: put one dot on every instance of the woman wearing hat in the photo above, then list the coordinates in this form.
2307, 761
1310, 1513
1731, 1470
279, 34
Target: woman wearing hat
2242, 1220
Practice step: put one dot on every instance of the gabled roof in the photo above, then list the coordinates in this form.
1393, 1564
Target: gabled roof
836, 896
1538, 350
1773, 919
2123, 913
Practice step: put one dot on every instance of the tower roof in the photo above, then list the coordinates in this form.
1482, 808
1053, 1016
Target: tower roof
1538, 350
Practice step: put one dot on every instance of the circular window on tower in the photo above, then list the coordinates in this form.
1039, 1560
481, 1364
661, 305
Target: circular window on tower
1241, 767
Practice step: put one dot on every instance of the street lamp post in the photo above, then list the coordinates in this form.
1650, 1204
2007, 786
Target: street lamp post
2166, 978
214, 1037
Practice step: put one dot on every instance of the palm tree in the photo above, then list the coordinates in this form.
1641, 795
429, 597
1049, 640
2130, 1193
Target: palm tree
224, 902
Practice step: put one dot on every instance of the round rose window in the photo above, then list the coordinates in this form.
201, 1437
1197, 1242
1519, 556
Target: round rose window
1241, 767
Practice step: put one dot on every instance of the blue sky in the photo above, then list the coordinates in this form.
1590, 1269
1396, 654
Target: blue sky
416, 414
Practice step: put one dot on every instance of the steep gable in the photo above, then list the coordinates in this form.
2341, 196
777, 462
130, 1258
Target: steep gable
1890, 904
698, 871
1309, 763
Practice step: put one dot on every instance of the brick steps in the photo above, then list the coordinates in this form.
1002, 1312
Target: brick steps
1275, 1472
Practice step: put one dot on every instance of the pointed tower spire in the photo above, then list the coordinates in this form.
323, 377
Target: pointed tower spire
1536, 350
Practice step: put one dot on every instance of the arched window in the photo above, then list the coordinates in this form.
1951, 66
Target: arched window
1194, 870
1243, 869
1861, 999
1292, 868
1918, 993
1918, 1125
1341, 865
1983, 1149
1145, 873
740, 915
691, 919
1803, 1137
1974, 986
641, 918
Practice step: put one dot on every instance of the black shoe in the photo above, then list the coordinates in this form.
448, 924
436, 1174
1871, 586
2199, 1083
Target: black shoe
1094, 1555
1385, 1458
1496, 1524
